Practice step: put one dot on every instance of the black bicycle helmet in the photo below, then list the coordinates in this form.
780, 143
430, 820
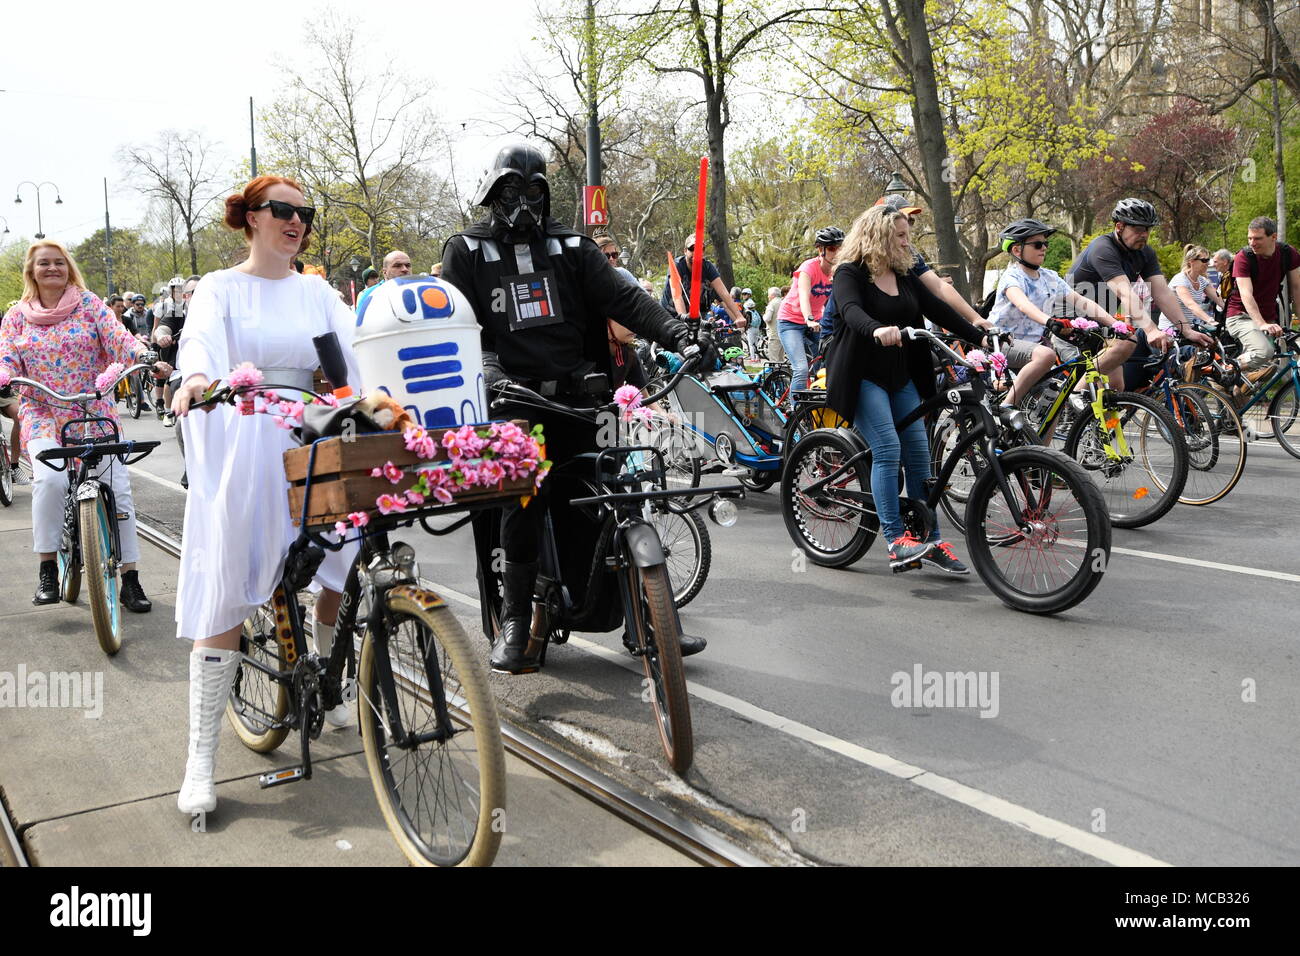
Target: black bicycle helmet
830, 236
1022, 229
1135, 212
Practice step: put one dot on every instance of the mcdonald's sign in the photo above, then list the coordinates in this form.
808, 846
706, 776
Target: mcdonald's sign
595, 206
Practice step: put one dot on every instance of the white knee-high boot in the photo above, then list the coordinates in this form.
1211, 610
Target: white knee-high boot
322, 636
212, 671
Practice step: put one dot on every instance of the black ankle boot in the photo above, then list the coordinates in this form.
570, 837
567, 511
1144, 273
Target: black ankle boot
47, 584
510, 649
133, 597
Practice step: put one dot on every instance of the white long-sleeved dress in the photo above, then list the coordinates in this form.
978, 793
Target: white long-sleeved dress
237, 523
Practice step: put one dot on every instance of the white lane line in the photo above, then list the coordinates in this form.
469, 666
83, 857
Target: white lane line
166, 483
1089, 843
1197, 562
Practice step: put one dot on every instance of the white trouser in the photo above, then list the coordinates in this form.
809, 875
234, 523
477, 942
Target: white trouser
50, 488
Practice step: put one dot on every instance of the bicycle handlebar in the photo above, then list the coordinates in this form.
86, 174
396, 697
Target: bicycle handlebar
81, 398
938, 343
513, 391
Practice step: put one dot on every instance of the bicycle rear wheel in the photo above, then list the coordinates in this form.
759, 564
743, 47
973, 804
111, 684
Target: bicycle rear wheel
688, 552
442, 799
1062, 555
1216, 443
68, 559
833, 527
1283, 411
658, 633
6, 478
258, 705
956, 493
133, 395
1143, 485
101, 574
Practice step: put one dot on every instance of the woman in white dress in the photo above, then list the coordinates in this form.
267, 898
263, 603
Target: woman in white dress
237, 523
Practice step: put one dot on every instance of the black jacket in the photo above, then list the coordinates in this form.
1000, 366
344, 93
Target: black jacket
857, 355
589, 291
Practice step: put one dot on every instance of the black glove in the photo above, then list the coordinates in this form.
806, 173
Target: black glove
493, 372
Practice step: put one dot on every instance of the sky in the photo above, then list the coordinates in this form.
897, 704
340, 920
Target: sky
81, 80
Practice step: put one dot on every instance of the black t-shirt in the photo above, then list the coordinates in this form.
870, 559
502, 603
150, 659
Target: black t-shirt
708, 272
1103, 260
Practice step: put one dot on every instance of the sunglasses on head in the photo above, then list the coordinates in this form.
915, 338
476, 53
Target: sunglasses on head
285, 211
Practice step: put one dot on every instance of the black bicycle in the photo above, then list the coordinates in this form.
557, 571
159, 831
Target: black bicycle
1035, 523
428, 722
89, 540
625, 580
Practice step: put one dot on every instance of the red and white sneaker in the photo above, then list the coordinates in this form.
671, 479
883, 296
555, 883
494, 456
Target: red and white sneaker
906, 553
944, 560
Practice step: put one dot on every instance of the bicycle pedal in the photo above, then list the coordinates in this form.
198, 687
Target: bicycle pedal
909, 566
277, 777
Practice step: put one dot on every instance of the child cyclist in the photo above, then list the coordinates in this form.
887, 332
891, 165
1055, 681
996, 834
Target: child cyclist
1027, 295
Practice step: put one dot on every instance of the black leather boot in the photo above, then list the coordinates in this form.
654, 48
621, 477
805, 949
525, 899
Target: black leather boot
47, 584
510, 650
133, 596
690, 644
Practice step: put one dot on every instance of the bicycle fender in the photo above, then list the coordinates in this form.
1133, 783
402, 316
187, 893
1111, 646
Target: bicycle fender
643, 545
851, 436
88, 490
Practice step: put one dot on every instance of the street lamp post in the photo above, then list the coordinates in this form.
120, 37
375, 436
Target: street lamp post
6, 222
18, 199
897, 186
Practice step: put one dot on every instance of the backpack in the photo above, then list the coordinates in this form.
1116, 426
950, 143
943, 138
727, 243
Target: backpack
985, 307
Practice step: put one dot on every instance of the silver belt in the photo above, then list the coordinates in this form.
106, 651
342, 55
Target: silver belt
299, 378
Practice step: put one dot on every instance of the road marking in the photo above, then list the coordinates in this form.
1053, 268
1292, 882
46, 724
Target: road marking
1197, 562
173, 485
1004, 810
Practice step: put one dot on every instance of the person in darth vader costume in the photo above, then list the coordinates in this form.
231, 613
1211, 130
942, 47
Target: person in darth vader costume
542, 293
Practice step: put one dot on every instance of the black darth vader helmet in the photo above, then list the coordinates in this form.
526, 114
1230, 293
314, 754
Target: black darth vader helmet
516, 189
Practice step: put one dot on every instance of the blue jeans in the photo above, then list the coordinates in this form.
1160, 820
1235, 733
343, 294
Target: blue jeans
878, 410
797, 341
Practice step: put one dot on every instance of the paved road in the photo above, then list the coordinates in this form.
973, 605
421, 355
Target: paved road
1156, 720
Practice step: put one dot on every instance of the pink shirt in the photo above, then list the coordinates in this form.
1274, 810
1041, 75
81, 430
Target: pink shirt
820, 291
66, 357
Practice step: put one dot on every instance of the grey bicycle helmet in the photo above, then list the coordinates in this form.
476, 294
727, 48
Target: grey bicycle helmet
830, 236
1022, 229
1135, 212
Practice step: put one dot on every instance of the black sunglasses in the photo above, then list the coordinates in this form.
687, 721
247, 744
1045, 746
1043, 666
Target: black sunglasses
613, 255
285, 211
1037, 244
1202, 260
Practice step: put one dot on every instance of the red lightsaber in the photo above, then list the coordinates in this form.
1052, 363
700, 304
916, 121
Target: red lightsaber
697, 264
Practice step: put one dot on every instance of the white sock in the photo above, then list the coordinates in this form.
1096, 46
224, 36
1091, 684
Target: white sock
322, 636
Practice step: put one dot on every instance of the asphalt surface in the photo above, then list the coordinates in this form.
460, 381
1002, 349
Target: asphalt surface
1155, 721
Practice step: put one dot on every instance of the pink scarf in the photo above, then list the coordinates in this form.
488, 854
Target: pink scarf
37, 314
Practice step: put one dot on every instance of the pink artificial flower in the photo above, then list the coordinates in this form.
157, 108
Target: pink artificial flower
443, 495
421, 442
628, 398
1123, 328
414, 497
392, 473
108, 378
5, 377
271, 396
282, 422
999, 362
295, 410
327, 399
1084, 324
977, 357
490, 473
341, 529
1172, 332
359, 519
390, 504
245, 375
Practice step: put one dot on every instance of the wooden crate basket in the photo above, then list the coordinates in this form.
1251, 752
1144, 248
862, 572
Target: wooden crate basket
341, 482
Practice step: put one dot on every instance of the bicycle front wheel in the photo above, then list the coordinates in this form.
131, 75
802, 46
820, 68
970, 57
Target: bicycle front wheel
101, 574
258, 704
1139, 484
133, 395
6, 478
1049, 551
834, 525
1216, 443
442, 797
688, 551
658, 634
1282, 416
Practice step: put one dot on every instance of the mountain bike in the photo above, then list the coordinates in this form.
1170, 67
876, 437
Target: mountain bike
1036, 526
1129, 443
625, 580
428, 722
89, 539
1279, 393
